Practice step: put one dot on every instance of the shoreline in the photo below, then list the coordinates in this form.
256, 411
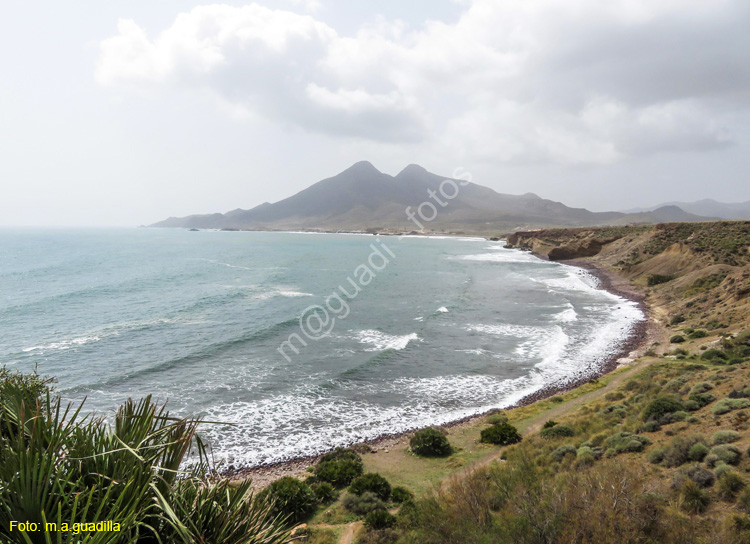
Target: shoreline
629, 349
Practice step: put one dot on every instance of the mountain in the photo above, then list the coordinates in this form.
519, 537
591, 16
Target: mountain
361, 198
708, 208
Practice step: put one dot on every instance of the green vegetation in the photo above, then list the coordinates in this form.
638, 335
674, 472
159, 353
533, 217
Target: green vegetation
60, 467
339, 467
661, 406
658, 279
501, 434
380, 519
363, 504
373, 483
401, 494
557, 431
290, 498
430, 442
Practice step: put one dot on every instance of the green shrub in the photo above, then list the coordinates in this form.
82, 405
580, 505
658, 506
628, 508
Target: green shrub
694, 499
549, 424
698, 334
701, 387
725, 437
380, 519
339, 467
743, 500
325, 493
701, 476
702, 399
494, 419
430, 442
557, 431
658, 279
726, 453
661, 406
720, 468
502, 434
563, 451
677, 319
650, 427
692, 406
713, 354
290, 497
655, 456
372, 482
677, 453
697, 452
401, 494
725, 406
666, 419
79, 469
730, 483
625, 442
363, 504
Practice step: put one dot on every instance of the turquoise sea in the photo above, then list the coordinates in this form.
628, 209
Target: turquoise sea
445, 328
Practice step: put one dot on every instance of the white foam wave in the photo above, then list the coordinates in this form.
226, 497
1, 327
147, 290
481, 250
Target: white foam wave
63, 344
281, 292
442, 310
380, 341
567, 315
504, 256
507, 329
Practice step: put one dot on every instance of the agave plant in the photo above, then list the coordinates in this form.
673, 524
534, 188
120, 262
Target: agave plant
58, 466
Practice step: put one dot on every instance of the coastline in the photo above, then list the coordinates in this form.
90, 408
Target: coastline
633, 346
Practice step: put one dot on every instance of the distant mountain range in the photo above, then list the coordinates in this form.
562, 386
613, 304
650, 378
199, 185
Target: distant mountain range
707, 207
362, 198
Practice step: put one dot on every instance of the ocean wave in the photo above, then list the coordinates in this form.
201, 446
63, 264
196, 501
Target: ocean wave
380, 341
504, 257
63, 344
568, 315
442, 310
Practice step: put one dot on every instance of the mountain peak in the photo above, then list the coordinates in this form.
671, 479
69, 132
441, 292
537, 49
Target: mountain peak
411, 169
363, 167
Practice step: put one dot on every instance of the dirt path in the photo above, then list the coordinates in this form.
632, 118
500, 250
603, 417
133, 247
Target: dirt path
350, 530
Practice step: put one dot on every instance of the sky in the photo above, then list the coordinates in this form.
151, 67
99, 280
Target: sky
124, 113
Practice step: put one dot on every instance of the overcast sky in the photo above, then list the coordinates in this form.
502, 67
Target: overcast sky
122, 113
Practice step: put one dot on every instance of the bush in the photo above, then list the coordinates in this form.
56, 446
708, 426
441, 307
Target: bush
290, 497
557, 431
730, 483
430, 442
549, 424
726, 453
713, 354
666, 419
374, 483
677, 453
694, 499
661, 406
363, 504
702, 399
697, 452
401, 494
724, 406
743, 501
692, 406
380, 519
677, 339
339, 467
697, 334
502, 434
658, 279
650, 427
655, 456
701, 387
677, 319
725, 437
625, 442
562, 451
325, 493
701, 476
494, 419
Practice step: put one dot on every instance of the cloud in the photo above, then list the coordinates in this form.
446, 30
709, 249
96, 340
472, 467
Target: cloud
562, 81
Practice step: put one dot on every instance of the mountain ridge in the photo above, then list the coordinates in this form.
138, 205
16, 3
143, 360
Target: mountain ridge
362, 198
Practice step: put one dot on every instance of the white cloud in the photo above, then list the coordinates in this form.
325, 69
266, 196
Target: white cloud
566, 81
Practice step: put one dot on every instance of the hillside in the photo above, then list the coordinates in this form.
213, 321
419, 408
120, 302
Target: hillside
706, 207
362, 198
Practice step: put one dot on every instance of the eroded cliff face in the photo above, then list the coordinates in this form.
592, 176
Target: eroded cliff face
563, 244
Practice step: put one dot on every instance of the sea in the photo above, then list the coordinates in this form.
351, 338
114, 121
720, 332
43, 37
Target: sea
293, 343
